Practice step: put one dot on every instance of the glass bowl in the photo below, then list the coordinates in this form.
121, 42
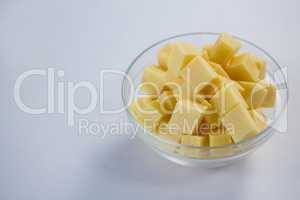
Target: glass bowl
205, 156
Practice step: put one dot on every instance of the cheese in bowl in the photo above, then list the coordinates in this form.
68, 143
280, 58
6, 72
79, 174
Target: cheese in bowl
212, 95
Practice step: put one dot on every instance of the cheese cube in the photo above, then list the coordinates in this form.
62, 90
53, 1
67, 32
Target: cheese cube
243, 68
167, 102
194, 140
198, 73
203, 128
259, 94
186, 117
181, 54
216, 84
223, 50
153, 80
239, 123
219, 69
270, 98
191, 82
179, 88
227, 98
221, 81
163, 55
174, 86
254, 93
259, 118
213, 120
146, 113
219, 140
210, 123
205, 50
261, 65
202, 101
184, 91
208, 91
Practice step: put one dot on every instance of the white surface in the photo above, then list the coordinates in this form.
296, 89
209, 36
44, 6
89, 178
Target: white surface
42, 158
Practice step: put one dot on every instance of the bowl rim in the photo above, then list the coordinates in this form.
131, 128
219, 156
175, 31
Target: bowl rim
263, 134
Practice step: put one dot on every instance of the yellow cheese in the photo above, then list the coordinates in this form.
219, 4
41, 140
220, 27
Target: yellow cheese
216, 84
208, 91
270, 98
210, 123
259, 119
219, 137
194, 140
146, 113
227, 98
153, 80
203, 128
261, 65
219, 69
197, 74
220, 81
254, 93
219, 140
205, 50
258, 94
239, 123
163, 55
186, 117
180, 89
167, 102
202, 98
184, 91
181, 54
194, 77
223, 50
202, 101
243, 68
213, 120
174, 86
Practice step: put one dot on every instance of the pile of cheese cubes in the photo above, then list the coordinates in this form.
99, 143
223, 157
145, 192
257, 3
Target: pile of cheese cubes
208, 97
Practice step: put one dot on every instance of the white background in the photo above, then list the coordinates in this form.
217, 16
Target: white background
42, 158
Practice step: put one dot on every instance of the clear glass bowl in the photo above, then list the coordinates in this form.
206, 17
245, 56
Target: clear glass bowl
205, 156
